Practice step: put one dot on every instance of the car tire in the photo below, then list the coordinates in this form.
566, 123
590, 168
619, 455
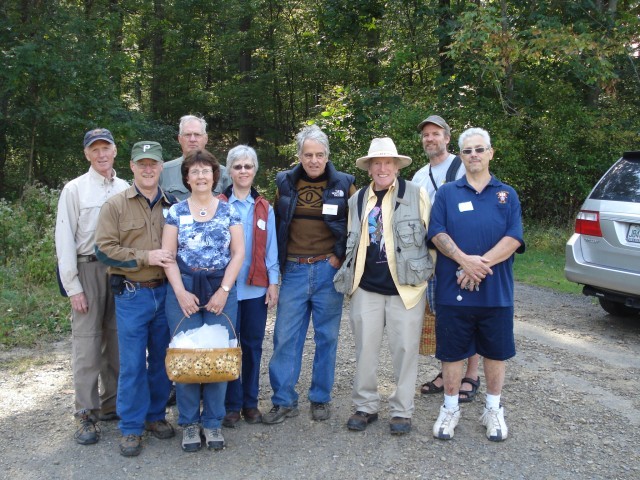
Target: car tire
618, 309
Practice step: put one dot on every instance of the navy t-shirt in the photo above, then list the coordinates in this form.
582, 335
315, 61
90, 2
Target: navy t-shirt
476, 222
377, 276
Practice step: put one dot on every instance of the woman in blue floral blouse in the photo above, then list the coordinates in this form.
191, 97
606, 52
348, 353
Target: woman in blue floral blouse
207, 238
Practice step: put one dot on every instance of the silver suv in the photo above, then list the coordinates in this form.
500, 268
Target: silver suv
604, 252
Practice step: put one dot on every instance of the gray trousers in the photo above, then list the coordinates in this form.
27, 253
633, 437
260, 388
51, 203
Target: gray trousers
370, 314
95, 344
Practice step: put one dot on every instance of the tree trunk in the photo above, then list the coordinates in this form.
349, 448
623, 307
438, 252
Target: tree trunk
247, 129
444, 39
157, 46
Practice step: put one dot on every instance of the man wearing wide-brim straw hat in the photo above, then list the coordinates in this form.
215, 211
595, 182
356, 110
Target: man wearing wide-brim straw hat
392, 266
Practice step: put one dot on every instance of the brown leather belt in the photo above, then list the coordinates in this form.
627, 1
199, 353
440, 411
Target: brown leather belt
87, 258
309, 260
149, 284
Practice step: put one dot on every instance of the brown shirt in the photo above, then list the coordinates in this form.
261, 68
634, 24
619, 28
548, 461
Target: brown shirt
309, 235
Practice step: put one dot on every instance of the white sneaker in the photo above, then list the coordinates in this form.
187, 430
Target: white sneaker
446, 423
214, 438
493, 419
191, 438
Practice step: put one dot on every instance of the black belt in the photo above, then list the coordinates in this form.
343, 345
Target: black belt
87, 258
148, 284
309, 260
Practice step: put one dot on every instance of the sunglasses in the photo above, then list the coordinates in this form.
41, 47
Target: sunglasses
469, 151
246, 166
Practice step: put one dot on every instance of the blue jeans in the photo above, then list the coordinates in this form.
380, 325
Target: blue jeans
188, 394
143, 336
252, 321
306, 291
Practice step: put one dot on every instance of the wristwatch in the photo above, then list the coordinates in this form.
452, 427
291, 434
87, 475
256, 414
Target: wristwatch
225, 288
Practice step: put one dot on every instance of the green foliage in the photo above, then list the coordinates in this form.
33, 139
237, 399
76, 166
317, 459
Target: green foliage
30, 313
555, 83
543, 262
31, 308
26, 234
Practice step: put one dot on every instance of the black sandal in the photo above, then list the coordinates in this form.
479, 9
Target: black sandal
469, 394
430, 387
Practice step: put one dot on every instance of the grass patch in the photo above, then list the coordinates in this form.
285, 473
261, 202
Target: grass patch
30, 313
542, 264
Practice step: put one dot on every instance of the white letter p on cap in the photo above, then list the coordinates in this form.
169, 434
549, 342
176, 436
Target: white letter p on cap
146, 147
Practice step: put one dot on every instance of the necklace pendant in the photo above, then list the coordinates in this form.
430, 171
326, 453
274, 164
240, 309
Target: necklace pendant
203, 212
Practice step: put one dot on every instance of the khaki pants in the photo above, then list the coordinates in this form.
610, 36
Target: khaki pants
370, 313
95, 344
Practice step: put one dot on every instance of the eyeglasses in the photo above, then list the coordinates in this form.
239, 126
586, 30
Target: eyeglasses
246, 166
319, 156
469, 151
204, 171
189, 135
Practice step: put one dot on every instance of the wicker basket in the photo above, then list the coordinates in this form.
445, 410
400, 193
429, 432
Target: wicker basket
428, 337
204, 365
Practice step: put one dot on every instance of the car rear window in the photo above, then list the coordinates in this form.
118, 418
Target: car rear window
621, 183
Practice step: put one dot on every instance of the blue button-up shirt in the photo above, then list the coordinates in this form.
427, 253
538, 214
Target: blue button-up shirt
246, 210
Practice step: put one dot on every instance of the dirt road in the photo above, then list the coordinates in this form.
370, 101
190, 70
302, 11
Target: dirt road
571, 401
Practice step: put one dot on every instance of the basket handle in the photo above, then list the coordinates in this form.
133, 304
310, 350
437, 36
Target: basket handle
199, 308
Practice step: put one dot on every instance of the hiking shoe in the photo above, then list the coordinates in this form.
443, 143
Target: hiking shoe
278, 413
320, 411
130, 445
252, 415
493, 419
88, 432
214, 439
400, 425
446, 423
359, 420
160, 429
191, 441
230, 419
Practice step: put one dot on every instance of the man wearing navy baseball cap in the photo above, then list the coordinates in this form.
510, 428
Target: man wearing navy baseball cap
84, 280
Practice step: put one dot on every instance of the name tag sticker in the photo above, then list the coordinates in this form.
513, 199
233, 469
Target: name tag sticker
329, 209
261, 224
186, 219
465, 206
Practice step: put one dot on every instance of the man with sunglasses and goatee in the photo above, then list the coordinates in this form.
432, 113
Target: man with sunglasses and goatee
476, 226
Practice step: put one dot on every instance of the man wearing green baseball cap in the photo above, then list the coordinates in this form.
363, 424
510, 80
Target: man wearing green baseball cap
128, 240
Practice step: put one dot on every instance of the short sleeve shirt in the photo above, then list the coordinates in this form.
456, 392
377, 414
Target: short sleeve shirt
204, 244
476, 222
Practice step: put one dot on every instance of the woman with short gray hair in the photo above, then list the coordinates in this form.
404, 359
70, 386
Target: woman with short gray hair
257, 282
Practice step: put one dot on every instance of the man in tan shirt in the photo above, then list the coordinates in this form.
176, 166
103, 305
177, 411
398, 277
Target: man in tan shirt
94, 338
128, 240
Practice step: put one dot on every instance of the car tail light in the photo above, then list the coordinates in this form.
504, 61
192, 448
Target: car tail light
588, 223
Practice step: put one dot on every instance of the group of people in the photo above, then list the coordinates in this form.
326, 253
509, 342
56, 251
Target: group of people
191, 242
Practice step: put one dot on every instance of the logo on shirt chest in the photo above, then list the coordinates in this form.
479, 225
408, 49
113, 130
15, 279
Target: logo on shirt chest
502, 196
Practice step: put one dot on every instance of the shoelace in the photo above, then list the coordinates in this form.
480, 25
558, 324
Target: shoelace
447, 420
493, 419
86, 425
192, 432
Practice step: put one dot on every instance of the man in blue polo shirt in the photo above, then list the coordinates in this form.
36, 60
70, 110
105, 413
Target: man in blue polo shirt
476, 226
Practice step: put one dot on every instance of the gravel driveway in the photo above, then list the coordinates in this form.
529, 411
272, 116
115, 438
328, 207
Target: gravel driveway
571, 402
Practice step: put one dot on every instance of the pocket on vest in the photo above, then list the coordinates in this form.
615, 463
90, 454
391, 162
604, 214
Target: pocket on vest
410, 233
416, 271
